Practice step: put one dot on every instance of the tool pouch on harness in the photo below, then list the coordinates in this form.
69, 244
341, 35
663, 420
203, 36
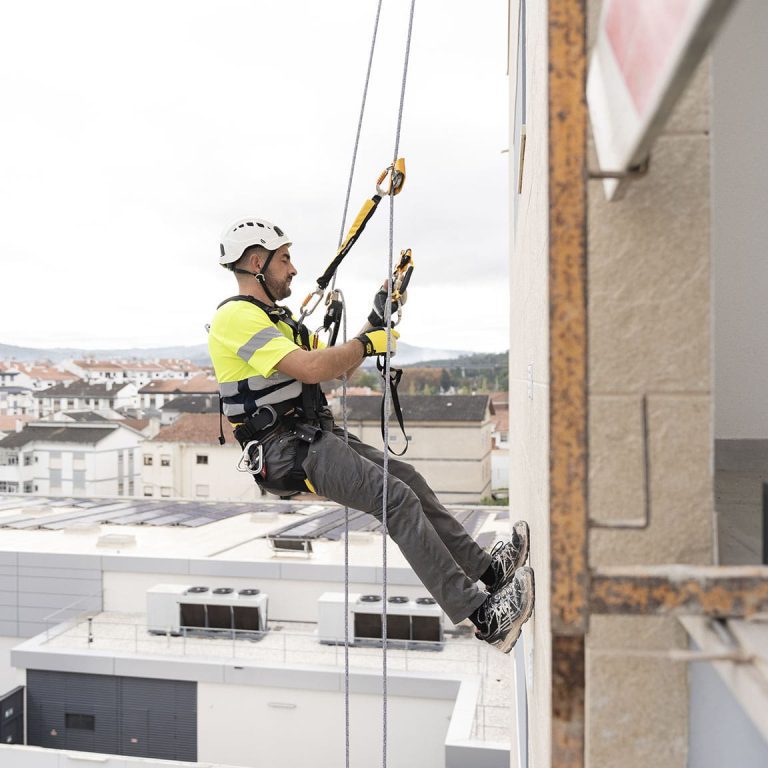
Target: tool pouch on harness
279, 452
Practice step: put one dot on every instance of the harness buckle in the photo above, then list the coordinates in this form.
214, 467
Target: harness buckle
396, 173
269, 409
247, 462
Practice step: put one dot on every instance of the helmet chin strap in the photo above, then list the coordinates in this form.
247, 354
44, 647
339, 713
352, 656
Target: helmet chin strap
260, 276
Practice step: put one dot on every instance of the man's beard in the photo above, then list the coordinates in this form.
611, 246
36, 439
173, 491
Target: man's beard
279, 290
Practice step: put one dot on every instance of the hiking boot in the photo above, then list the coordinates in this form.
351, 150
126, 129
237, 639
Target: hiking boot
499, 620
508, 557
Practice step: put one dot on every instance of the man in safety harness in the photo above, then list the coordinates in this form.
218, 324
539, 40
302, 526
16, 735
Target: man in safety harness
269, 368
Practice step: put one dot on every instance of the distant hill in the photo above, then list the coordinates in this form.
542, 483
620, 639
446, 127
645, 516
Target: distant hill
406, 354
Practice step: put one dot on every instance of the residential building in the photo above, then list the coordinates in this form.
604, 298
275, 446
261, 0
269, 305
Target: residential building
448, 439
185, 460
136, 372
44, 375
103, 633
169, 412
500, 441
84, 395
157, 393
17, 401
88, 458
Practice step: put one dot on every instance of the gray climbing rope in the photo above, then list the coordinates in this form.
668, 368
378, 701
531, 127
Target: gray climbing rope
387, 389
344, 384
387, 392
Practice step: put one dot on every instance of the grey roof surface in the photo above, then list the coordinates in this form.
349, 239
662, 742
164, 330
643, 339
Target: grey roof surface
422, 407
81, 416
81, 389
15, 390
59, 433
193, 404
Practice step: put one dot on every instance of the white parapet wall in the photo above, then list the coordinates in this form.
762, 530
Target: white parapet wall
37, 757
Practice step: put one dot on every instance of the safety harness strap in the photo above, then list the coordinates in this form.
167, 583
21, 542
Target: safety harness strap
395, 374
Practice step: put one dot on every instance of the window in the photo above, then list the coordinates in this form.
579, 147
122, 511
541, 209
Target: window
147, 460
8, 487
202, 459
201, 490
55, 478
165, 461
81, 722
120, 488
148, 490
78, 479
13, 459
130, 488
28, 487
27, 459
165, 491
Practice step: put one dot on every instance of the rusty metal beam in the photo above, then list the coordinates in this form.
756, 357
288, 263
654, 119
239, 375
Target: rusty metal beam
726, 592
567, 375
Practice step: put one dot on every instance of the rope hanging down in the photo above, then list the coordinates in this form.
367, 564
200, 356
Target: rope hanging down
387, 391
396, 287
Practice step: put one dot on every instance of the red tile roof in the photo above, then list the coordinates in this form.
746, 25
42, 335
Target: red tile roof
195, 428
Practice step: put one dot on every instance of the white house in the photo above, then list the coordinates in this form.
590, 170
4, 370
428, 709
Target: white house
158, 392
449, 439
185, 460
83, 395
82, 459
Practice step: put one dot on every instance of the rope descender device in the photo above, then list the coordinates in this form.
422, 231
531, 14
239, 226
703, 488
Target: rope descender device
393, 179
400, 279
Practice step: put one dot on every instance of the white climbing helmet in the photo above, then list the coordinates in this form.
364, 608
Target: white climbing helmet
244, 233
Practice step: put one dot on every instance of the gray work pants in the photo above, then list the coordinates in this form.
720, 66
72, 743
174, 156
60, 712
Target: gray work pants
438, 548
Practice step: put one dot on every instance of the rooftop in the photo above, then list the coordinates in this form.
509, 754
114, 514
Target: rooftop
200, 428
80, 388
193, 404
198, 385
62, 432
205, 529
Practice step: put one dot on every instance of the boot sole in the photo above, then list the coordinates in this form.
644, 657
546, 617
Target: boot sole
508, 643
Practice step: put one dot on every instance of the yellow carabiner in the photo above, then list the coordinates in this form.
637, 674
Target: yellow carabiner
396, 173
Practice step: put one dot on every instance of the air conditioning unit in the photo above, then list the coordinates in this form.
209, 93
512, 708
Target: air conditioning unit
411, 623
176, 609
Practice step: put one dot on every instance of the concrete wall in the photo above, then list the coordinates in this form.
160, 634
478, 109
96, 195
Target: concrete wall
649, 336
739, 223
529, 362
306, 727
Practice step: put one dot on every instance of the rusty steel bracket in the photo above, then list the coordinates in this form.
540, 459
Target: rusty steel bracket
680, 590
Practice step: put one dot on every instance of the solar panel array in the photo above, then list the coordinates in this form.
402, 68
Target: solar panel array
58, 513
329, 523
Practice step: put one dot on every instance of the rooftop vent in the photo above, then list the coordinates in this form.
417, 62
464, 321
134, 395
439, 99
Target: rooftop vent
196, 590
370, 599
249, 592
397, 599
223, 591
425, 601
116, 540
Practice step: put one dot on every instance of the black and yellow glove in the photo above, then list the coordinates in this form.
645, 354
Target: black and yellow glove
375, 342
376, 317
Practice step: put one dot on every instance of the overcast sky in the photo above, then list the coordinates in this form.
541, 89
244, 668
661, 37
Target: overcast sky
133, 132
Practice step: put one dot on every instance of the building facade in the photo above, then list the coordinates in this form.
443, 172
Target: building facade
634, 344
70, 459
448, 439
